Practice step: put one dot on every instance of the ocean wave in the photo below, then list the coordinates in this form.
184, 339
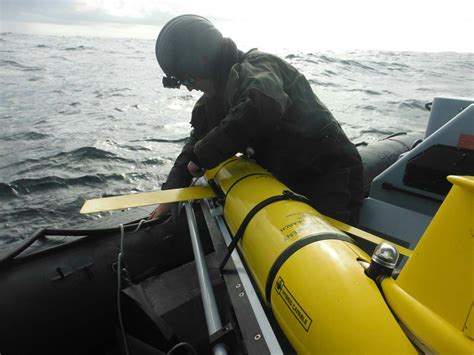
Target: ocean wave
18, 66
162, 140
392, 66
324, 58
153, 161
27, 136
9, 239
349, 63
7, 191
27, 219
29, 185
376, 131
27, 162
64, 160
68, 111
135, 148
60, 57
354, 63
328, 72
311, 61
42, 46
372, 108
184, 97
411, 104
366, 91
322, 83
78, 48
118, 92
469, 64
88, 153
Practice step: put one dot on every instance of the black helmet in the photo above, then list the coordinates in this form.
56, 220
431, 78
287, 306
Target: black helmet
189, 45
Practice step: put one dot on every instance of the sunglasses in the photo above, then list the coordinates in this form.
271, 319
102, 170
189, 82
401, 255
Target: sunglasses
172, 82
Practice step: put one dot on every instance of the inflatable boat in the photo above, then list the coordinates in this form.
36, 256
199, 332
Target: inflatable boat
249, 267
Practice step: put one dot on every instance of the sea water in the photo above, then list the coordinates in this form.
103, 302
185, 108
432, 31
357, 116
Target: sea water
84, 117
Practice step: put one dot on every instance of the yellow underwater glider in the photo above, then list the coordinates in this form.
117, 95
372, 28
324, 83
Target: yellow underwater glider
318, 283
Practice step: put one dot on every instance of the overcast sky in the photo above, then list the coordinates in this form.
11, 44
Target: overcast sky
419, 25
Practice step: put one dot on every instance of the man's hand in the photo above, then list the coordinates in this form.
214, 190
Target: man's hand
160, 211
173, 208
195, 170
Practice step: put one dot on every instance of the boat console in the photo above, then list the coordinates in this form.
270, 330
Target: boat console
404, 198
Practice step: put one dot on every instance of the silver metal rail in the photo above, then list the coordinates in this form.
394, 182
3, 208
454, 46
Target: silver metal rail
267, 331
207, 293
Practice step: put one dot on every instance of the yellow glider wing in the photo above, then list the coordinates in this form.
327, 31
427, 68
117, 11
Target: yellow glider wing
146, 199
365, 235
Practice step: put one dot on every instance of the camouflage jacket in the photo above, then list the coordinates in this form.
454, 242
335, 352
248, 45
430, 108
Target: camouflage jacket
265, 104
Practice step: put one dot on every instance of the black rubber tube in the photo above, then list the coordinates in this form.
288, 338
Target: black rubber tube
42, 233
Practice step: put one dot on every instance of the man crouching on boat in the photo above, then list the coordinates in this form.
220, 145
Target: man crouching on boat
256, 102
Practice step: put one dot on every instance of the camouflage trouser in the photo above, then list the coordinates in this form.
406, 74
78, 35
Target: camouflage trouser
337, 193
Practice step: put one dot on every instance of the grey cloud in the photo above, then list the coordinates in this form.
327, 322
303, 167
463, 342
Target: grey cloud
64, 12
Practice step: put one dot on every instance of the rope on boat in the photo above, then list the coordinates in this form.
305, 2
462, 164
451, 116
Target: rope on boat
119, 287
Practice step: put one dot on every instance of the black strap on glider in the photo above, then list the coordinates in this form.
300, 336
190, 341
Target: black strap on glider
293, 248
245, 177
286, 195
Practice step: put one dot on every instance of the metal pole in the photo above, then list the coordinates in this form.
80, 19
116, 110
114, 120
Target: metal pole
262, 320
207, 293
